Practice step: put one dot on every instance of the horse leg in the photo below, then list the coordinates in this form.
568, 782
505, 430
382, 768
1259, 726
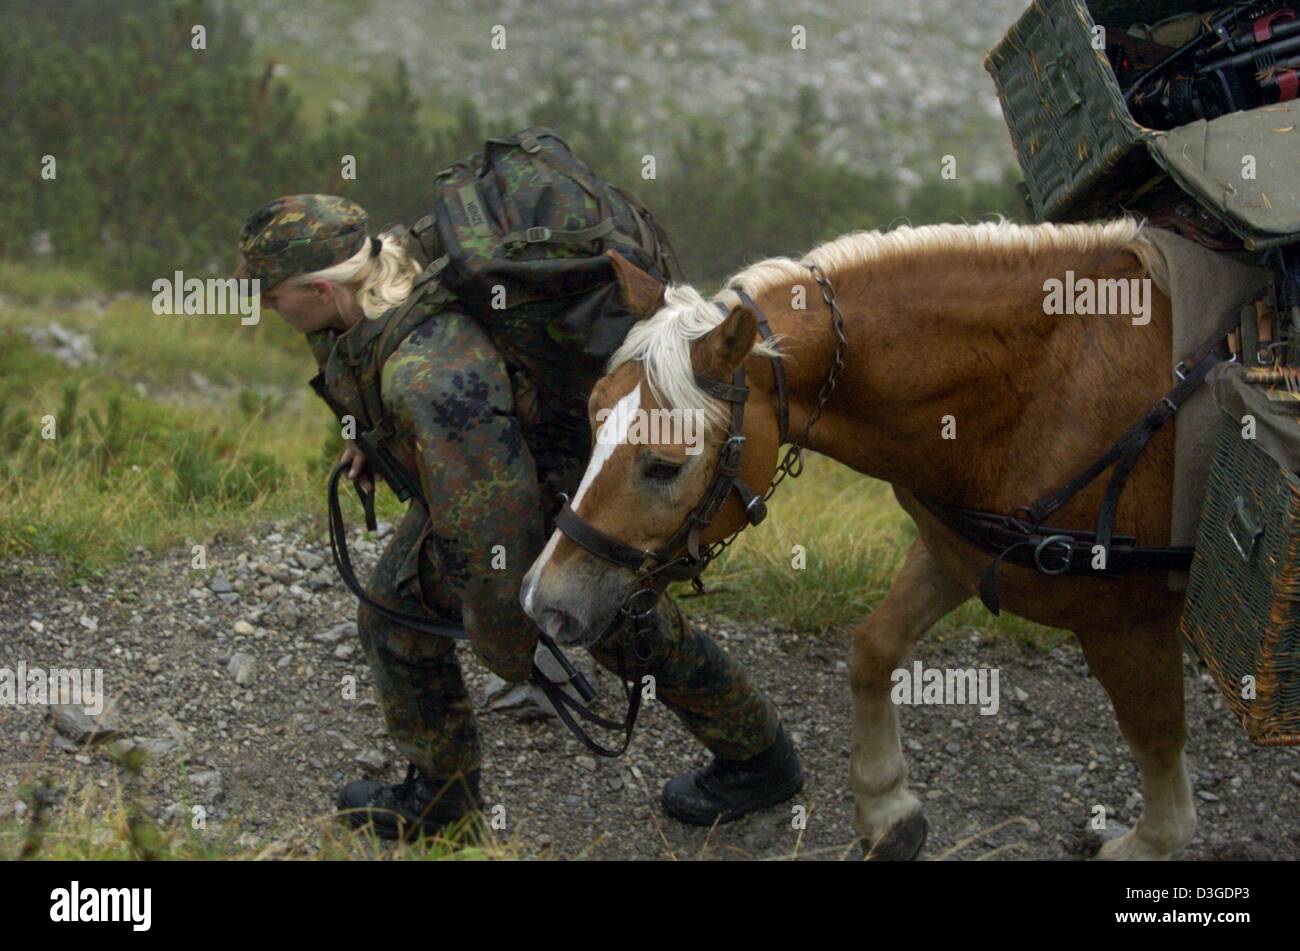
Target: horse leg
1142, 672
887, 816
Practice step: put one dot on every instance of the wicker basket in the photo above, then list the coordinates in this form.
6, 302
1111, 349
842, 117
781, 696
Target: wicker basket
1242, 613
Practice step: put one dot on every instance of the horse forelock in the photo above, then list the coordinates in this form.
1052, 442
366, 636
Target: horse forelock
662, 345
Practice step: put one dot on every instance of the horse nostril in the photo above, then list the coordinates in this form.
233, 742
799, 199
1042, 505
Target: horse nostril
561, 626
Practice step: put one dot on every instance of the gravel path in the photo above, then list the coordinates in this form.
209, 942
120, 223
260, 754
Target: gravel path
230, 678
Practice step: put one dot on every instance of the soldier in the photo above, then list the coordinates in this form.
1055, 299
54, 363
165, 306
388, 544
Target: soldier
495, 433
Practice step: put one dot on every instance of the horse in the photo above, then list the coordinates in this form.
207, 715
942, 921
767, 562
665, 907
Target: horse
957, 384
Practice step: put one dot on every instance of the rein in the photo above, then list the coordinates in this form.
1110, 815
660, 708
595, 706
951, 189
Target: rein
560, 701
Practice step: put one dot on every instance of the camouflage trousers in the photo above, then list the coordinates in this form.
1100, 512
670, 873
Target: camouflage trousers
429, 712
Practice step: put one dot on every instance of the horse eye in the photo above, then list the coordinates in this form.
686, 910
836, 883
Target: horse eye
661, 471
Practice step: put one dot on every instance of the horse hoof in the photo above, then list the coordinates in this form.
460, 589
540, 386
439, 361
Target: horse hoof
902, 843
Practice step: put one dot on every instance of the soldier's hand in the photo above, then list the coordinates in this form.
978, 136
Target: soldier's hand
358, 467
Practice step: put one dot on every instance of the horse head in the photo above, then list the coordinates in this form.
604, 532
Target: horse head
662, 428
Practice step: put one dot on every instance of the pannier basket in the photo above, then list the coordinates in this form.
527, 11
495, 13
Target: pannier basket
1084, 156
1242, 613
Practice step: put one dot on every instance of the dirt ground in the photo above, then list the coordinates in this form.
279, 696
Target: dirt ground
230, 679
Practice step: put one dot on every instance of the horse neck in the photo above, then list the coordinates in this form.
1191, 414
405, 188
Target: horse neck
1026, 395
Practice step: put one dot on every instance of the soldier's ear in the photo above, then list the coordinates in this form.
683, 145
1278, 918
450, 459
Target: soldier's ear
641, 293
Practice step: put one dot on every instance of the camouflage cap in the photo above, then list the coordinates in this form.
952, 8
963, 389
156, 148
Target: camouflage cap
298, 234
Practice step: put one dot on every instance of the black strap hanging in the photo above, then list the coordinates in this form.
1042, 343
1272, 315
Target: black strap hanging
560, 701
1026, 541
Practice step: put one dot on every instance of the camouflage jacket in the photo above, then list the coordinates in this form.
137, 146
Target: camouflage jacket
494, 431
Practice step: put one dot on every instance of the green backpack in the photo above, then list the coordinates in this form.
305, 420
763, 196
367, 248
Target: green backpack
525, 221
517, 239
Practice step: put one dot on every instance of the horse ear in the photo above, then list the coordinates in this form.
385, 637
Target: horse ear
641, 293
725, 347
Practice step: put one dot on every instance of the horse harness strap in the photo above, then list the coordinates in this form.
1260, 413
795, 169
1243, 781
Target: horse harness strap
778, 368
1055, 551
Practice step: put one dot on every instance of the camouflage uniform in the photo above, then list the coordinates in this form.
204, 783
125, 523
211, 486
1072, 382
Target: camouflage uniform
494, 440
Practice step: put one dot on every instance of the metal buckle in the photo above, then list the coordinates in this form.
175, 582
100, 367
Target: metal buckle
535, 234
1180, 370
1065, 540
732, 450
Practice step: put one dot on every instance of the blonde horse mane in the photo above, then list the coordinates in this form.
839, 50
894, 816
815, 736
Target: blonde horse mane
662, 343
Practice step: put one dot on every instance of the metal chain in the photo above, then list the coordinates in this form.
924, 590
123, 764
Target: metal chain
792, 463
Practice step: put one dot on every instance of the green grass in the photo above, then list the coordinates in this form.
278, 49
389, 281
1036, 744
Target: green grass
171, 465
31, 283
67, 816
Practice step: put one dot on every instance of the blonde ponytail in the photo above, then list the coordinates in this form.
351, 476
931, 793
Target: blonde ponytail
380, 282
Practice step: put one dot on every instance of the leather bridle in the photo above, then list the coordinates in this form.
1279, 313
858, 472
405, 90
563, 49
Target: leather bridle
682, 558
726, 479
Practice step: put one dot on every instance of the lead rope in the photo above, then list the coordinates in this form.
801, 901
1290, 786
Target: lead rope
560, 701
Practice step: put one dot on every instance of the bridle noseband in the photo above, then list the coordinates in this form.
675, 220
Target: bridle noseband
655, 569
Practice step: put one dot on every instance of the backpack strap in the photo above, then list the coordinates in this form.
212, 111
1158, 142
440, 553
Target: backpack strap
555, 236
403, 321
566, 164
652, 238
408, 317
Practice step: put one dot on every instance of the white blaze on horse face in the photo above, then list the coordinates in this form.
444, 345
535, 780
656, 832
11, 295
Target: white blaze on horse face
624, 411
621, 417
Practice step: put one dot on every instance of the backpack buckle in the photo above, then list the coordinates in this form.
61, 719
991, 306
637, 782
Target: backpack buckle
530, 144
536, 234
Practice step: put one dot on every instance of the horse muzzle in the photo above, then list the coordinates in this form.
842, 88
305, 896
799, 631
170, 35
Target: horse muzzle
576, 604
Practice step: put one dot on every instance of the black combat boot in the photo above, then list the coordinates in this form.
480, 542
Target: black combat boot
727, 789
415, 805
